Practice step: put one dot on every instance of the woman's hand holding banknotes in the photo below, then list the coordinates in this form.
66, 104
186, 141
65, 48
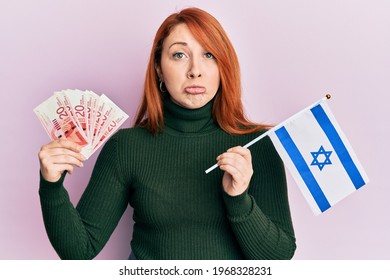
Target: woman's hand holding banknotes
59, 156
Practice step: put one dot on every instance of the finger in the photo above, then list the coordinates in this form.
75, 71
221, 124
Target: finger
240, 176
64, 167
232, 159
232, 170
55, 172
239, 181
49, 162
63, 151
66, 159
237, 163
238, 154
245, 152
62, 143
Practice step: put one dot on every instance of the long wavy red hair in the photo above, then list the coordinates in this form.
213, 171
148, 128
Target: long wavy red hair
227, 109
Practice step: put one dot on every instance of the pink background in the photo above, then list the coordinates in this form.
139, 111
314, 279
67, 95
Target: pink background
291, 54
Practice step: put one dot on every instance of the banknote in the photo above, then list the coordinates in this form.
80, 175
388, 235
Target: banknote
92, 101
82, 117
58, 121
115, 118
77, 104
66, 103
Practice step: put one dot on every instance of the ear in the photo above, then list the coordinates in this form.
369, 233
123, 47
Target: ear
159, 72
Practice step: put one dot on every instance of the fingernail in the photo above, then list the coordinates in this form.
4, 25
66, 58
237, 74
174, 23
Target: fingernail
81, 164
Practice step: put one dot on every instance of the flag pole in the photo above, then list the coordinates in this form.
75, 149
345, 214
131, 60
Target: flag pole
327, 97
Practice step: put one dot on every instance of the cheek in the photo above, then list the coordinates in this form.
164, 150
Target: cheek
172, 82
216, 79
171, 74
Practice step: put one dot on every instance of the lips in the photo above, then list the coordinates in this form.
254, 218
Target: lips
195, 89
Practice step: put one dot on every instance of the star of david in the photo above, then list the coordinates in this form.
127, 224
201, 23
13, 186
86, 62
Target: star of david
316, 160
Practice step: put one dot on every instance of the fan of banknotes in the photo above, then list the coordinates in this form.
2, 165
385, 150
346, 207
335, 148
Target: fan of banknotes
80, 116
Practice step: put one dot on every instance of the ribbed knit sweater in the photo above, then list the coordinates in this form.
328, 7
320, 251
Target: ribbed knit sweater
180, 212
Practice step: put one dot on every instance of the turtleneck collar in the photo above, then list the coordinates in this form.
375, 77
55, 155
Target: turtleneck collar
179, 120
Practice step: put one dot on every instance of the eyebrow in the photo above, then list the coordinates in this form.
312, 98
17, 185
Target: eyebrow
178, 43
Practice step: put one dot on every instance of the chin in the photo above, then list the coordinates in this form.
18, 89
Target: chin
195, 105
192, 102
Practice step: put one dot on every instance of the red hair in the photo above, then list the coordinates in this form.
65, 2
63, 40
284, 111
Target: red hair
227, 109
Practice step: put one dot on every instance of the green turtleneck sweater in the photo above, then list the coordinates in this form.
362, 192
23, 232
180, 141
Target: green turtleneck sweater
180, 212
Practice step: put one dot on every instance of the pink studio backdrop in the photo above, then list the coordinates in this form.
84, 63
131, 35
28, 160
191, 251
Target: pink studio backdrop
291, 54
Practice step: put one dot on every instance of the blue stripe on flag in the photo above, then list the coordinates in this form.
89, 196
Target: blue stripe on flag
303, 169
338, 145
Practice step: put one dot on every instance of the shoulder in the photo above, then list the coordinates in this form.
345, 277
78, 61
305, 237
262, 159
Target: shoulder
133, 133
120, 139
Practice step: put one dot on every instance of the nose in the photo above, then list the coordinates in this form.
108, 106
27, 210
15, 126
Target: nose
194, 70
191, 75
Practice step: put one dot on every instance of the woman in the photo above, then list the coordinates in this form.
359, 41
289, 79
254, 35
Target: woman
191, 112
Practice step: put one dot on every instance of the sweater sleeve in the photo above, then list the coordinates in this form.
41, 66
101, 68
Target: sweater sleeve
81, 232
260, 217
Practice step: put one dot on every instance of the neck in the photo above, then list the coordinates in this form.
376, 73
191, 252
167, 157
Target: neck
181, 120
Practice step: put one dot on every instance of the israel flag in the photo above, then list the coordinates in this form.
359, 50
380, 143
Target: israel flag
319, 156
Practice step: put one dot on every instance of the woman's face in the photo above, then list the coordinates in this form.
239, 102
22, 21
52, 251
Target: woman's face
189, 72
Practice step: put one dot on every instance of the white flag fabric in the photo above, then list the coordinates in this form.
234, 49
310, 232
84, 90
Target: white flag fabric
319, 156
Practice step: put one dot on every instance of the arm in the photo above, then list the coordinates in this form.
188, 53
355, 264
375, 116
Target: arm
259, 213
81, 232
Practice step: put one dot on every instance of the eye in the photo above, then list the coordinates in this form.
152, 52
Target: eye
209, 55
178, 55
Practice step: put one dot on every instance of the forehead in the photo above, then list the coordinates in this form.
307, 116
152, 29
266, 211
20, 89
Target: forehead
180, 33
